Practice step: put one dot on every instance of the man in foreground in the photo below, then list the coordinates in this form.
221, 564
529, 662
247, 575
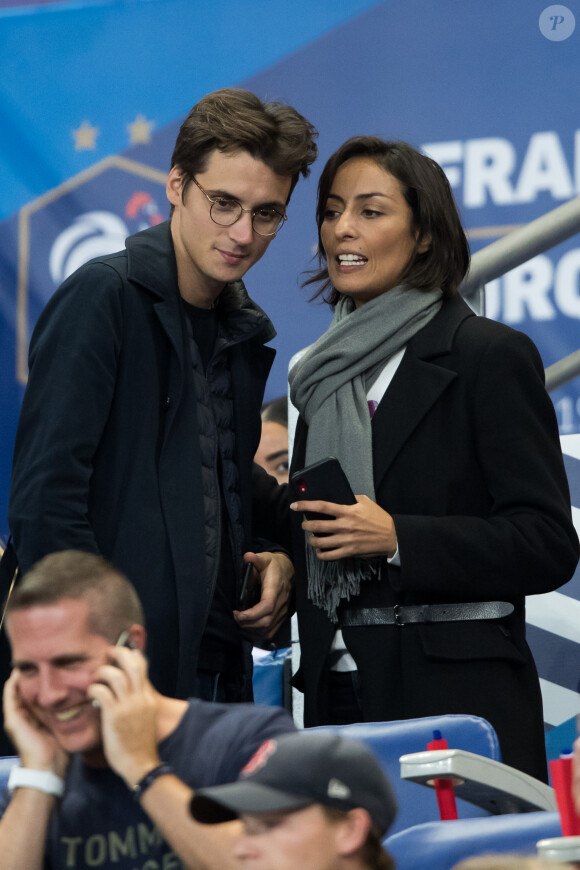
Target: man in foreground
313, 801
108, 765
142, 412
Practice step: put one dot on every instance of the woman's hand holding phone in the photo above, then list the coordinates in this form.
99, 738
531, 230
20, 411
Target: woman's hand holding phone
340, 523
361, 529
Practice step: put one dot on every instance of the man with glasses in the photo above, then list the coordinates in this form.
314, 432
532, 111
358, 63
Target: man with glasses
142, 412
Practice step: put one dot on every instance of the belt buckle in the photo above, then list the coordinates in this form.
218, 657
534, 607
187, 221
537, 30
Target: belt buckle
398, 616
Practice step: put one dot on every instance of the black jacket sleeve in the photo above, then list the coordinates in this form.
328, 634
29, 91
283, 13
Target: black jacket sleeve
73, 361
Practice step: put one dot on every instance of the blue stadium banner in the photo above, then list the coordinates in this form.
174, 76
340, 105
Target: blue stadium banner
93, 92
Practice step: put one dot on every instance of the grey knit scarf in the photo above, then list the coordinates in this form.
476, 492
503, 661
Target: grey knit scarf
329, 386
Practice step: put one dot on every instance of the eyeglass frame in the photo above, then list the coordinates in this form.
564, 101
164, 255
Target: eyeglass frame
252, 211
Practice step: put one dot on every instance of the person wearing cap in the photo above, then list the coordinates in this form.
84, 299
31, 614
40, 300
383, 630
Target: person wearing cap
314, 801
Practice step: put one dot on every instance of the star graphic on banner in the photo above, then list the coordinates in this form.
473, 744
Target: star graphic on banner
85, 137
140, 131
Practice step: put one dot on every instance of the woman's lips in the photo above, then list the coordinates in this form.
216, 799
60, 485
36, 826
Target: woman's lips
350, 262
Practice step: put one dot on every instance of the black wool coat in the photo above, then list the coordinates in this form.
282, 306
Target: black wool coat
107, 456
467, 460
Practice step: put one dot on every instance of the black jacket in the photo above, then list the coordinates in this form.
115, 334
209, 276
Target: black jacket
107, 455
467, 460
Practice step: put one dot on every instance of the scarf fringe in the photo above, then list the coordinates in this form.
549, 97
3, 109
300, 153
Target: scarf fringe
332, 583
329, 386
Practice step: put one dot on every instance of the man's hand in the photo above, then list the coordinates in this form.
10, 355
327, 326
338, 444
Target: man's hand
37, 748
361, 529
131, 728
128, 714
265, 618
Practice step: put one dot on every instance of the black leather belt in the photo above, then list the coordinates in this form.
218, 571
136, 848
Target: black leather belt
405, 614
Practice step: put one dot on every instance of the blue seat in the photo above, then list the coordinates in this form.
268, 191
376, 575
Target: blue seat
389, 740
561, 738
440, 845
269, 677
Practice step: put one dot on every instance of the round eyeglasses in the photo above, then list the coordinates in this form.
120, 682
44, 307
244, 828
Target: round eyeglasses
224, 212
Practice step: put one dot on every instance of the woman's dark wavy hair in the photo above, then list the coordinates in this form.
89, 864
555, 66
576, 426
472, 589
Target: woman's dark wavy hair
434, 214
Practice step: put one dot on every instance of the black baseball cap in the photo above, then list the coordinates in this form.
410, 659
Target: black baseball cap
297, 770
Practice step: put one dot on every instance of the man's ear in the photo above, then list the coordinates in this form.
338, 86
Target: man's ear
174, 185
138, 637
353, 831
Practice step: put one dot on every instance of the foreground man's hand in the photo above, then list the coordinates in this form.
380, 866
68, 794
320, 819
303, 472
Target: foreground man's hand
35, 745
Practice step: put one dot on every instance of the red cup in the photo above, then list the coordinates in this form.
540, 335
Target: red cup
561, 771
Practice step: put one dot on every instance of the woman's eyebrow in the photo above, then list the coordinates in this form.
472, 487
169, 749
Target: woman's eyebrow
361, 195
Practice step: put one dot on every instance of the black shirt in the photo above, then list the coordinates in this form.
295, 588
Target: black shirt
219, 649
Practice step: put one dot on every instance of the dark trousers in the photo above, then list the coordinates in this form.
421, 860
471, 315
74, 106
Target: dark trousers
216, 686
344, 706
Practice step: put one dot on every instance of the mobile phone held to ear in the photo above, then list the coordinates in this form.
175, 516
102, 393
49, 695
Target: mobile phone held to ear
125, 639
251, 590
322, 481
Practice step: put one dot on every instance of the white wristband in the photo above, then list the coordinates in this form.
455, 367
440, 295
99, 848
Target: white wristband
42, 780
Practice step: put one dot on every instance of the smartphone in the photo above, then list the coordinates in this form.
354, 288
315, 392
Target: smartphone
322, 481
251, 590
124, 639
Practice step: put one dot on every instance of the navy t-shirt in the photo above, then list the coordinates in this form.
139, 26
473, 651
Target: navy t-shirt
99, 824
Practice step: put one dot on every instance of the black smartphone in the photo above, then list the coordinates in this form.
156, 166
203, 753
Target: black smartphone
322, 481
251, 590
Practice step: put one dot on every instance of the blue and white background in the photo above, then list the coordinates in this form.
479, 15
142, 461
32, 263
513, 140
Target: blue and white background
92, 93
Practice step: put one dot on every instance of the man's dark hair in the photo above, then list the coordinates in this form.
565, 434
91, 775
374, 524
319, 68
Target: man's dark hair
372, 853
113, 602
435, 216
232, 119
